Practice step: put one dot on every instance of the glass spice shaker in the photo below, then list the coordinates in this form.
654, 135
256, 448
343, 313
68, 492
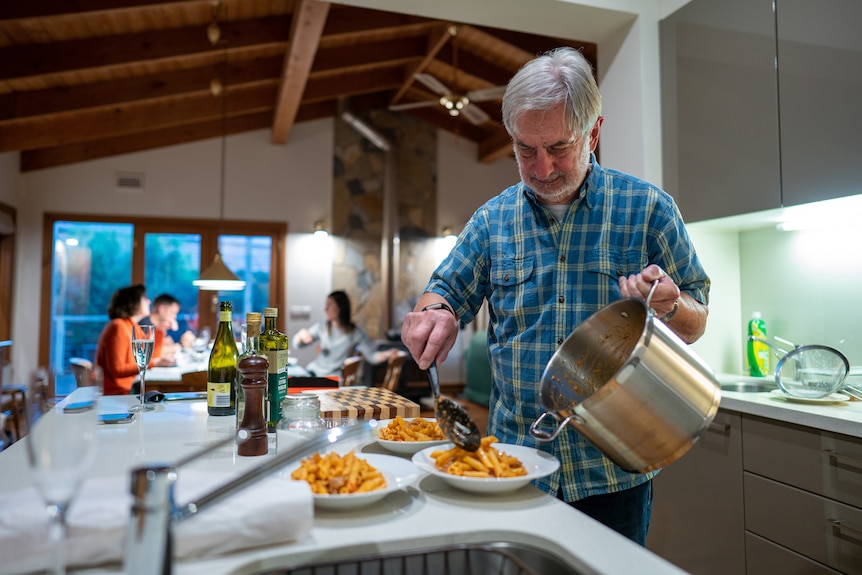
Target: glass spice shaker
300, 420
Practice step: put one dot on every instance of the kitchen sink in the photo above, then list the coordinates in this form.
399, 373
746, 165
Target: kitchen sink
500, 558
748, 386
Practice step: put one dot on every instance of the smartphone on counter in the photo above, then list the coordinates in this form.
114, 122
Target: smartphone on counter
109, 418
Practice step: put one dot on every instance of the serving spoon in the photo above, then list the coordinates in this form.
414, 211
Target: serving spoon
454, 421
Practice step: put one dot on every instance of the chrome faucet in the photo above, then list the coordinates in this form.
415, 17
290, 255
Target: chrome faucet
149, 539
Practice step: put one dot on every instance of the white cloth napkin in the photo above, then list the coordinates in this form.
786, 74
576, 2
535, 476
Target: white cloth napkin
273, 511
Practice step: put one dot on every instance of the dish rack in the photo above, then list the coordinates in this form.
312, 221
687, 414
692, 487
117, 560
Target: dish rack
474, 559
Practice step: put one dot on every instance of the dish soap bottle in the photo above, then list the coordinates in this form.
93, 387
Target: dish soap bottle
758, 351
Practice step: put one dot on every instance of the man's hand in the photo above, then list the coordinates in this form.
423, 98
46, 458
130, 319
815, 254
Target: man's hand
638, 285
429, 335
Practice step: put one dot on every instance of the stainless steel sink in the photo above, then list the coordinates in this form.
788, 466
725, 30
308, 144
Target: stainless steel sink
501, 558
748, 386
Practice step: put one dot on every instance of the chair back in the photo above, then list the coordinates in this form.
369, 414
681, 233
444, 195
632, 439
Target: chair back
80, 369
350, 371
393, 370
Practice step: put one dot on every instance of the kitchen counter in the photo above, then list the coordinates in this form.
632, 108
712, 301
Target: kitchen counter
428, 514
842, 417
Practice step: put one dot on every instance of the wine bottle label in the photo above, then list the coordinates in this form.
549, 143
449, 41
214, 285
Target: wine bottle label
225, 315
218, 394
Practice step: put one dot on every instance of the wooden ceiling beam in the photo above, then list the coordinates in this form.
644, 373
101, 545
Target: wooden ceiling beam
129, 90
44, 8
81, 152
306, 27
108, 122
179, 44
498, 145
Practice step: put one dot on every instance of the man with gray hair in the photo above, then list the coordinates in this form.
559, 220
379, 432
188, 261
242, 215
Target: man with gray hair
568, 239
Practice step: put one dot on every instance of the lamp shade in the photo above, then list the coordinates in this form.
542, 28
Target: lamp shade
218, 277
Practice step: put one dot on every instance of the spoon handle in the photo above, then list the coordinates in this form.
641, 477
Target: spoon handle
434, 380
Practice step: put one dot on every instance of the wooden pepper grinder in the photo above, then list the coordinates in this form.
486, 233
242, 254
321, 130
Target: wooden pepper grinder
253, 369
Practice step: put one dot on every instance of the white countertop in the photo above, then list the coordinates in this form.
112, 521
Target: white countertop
842, 417
426, 515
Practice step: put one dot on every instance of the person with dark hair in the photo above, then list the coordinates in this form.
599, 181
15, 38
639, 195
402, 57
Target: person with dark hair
163, 314
338, 337
128, 306
545, 254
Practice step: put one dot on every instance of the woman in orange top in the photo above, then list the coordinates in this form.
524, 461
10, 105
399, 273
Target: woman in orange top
114, 351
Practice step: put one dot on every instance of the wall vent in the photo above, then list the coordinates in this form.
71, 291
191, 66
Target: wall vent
129, 181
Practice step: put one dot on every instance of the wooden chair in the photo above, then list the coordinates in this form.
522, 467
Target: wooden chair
13, 400
80, 369
350, 371
194, 381
393, 371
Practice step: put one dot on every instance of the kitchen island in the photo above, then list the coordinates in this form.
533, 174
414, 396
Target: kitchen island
426, 515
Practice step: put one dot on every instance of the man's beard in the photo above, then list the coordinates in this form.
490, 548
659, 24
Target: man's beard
556, 189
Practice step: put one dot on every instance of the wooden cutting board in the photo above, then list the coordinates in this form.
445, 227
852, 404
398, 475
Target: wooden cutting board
366, 403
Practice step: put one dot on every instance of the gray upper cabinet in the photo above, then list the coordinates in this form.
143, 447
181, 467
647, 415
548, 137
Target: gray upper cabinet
760, 107
820, 88
720, 108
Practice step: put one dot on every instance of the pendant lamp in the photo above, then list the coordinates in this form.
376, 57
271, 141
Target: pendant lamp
217, 277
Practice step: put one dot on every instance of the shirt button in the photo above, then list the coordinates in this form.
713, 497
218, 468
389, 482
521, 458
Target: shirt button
561, 299
563, 259
560, 341
505, 278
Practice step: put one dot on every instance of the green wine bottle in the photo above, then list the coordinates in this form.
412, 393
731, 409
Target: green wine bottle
252, 349
221, 370
274, 344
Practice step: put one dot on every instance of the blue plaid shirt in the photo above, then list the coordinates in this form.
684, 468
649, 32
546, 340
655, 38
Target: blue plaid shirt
542, 278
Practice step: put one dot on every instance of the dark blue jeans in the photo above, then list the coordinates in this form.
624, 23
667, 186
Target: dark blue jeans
626, 512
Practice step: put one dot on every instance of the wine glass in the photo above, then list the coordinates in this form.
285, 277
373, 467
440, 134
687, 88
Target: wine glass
143, 341
60, 448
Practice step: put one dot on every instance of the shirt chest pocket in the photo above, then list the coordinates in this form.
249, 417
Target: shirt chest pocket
514, 283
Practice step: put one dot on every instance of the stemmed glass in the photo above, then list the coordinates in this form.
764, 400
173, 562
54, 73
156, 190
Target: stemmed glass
143, 341
60, 448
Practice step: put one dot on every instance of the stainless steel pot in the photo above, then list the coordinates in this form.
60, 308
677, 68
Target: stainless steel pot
631, 386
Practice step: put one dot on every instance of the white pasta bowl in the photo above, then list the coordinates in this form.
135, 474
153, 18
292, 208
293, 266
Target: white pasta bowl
537, 463
404, 447
398, 473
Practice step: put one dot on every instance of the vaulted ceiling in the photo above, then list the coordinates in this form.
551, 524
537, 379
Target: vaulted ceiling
95, 78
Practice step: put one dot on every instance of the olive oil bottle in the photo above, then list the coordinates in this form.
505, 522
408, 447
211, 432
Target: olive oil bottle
274, 344
221, 370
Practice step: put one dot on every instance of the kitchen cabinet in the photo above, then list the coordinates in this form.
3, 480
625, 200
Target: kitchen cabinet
759, 107
720, 108
760, 496
803, 492
697, 520
820, 87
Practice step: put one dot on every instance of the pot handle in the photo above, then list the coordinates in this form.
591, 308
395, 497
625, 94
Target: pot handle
649, 297
543, 435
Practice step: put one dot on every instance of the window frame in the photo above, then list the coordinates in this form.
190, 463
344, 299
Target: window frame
209, 231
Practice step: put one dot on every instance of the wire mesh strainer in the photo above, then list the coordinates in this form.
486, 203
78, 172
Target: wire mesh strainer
811, 372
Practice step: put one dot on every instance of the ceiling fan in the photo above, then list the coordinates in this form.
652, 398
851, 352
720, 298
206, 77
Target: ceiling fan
456, 104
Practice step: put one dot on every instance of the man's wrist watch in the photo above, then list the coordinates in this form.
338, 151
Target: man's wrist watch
440, 305
667, 317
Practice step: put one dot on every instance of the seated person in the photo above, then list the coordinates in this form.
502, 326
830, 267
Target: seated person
128, 306
339, 338
163, 314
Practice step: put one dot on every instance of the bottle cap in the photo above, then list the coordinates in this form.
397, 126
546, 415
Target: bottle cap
270, 312
755, 315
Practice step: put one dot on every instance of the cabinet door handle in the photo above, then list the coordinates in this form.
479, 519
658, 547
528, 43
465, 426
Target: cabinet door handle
722, 428
838, 525
838, 455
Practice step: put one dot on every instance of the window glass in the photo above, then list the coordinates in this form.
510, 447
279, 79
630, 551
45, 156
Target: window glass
91, 261
171, 264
